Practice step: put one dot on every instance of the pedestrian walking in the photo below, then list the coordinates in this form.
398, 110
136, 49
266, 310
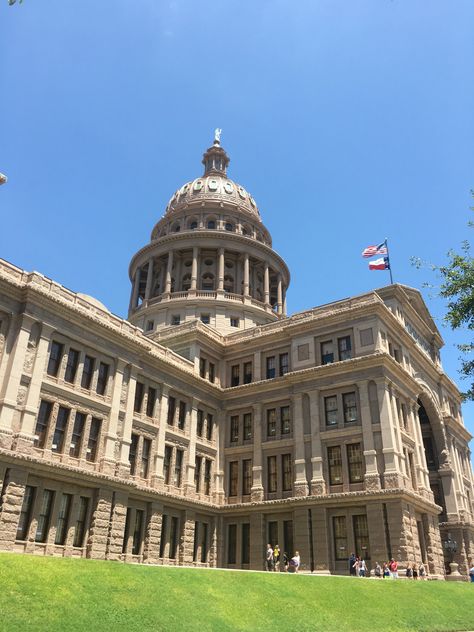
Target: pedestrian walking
269, 558
276, 558
393, 568
362, 568
352, 559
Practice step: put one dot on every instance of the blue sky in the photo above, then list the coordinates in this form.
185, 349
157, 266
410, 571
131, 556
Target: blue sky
348, 121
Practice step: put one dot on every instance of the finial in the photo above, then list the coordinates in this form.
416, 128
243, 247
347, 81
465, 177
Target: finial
217, 136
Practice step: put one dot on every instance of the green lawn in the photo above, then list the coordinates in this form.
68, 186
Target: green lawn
68, 595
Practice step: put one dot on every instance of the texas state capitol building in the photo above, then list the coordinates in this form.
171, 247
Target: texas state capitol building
210, 423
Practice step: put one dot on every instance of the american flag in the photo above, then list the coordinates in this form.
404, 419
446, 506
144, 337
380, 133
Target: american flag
371, 251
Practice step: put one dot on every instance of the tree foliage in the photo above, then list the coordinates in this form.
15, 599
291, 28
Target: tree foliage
457, 287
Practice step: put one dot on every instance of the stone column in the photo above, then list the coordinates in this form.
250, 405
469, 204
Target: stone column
158, 478
422, 469
318, 484
246, 274
108, 461
220, 275
169, 269
371, 478
266, 284
149, 279
301, 537
220, 458
25, 437
300, 482
99, 528
194, 269
17, 341
186, 546
279, 296
320, 540
377, 532
189, 485
136, 287
117, 525
151, 549
392, 478
256, 492
257, 541
124, 463
284, 301
13, 485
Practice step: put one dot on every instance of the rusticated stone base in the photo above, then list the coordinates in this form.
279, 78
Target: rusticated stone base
318, 488
372, 482
300, 488
392, 481
256, 494
14, 489
6, 438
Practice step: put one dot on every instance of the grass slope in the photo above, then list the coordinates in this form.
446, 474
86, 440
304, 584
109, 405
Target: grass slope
71, 595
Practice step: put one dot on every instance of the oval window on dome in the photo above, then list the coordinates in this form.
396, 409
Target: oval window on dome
252, 201
228, 188
208, 262
188, 263
228, 226
197, 185
242, 192
212, 184
184, 189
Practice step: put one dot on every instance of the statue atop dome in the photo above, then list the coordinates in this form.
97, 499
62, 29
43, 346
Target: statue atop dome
217, 136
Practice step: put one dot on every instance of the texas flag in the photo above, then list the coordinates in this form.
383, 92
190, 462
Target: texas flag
380, 264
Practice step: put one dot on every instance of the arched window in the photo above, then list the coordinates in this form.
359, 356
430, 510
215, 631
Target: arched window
186, 283
228, 283
176, 227
193, 223
208, 282
229, 226
211, 224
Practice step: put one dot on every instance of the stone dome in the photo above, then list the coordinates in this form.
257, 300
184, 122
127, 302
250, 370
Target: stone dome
214, 187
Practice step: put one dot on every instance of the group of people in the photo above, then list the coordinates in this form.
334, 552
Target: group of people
274, 561
358, 568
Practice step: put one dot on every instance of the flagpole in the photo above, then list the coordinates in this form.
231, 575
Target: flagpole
390, 265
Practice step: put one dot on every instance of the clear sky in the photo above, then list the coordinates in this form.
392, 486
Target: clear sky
348, 121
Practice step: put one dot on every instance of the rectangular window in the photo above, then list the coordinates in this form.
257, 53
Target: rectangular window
44, 516
207, 477
246, 476
356, 463
247, 426
87, 372
80, 529
167, 464
42, 422
175, 319
234, 429
361, 536
209, 426
327, 352
63, 519
233, 477
25, 514
60, 429
181, 415
139, 394
288, 536
171, 410
247, 372
271, 367
173, 537
272, 473
178, 468
102, 378
284, 363
335, 465
330, 410
137, 532
92, 444
150, 401
197, 473
164, 528
285, 420
404, 416
149, 325
132, 454
271, 422
204, 540
200, 422
76, 439
234, 322
145, 466
344, 348
126, 533
349, 404
273, 532
202, 367
235, 375
55, 358
232, 544
206, 319
196, 541
340, 537
287, 474
246, 543
71, 366
212, 372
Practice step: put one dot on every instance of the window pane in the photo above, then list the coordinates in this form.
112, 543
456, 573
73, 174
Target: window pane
197, 473
42, 422
60, 430
233, 477
44, 516
63, 519
350, 407
171, 410
361, 536
71, 367
246, 543
80, 529
25, 514
234, 429
340, 537
247, 476
55, 358
287, 482
138, 401
335, 465
247, 426
102, 378
92, 444
271, 367
200, 422
76, 439
356, 464
272, 474
235, 375
231, 544
87, 372
271, 422
150, 402
330, 407
182, 415
344, 348
327, 352
284, 367
285, 420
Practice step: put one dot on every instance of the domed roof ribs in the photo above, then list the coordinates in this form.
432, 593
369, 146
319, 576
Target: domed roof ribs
215, 160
